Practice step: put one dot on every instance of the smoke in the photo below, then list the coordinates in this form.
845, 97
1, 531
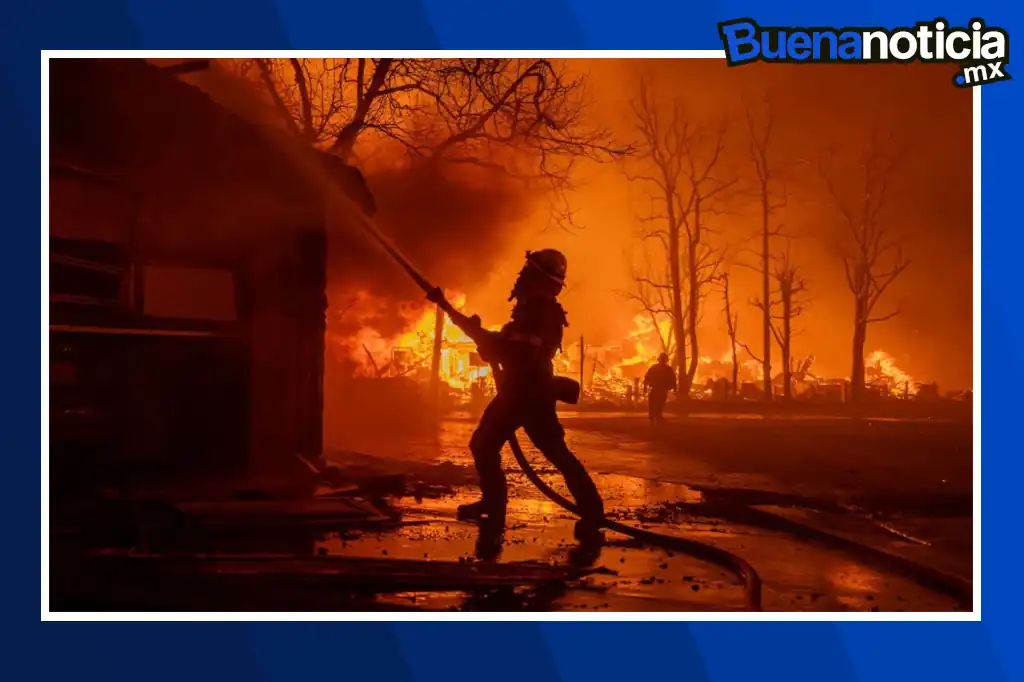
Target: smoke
454, 223
237, 95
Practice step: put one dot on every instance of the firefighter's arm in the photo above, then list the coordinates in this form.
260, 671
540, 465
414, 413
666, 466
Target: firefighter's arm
470, 326
488, 342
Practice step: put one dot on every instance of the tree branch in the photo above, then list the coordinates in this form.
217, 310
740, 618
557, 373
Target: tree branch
883, 318
749, 352
286, 116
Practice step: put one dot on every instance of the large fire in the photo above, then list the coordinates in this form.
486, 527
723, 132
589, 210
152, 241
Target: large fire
459, 365
607, 372
409, 353
882, 371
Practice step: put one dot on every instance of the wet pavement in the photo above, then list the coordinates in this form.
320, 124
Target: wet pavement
813, 548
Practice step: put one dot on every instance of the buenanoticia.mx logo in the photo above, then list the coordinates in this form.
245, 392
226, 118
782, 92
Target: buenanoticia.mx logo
982, 52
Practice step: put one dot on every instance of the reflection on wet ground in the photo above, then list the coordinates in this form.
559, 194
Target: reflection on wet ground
642, 485
797, 575
863, 517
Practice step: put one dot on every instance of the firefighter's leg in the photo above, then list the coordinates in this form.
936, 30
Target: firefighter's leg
658, 406
544, 429
496, 426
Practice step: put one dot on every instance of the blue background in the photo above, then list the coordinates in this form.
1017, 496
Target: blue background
566, 651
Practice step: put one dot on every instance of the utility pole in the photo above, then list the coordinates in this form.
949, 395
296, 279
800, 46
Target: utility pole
583, 358
435, 363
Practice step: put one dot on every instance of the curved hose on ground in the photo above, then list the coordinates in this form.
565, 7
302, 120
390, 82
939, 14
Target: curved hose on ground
746, 572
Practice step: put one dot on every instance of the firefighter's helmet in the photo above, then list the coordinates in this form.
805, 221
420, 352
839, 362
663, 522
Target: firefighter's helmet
550, 262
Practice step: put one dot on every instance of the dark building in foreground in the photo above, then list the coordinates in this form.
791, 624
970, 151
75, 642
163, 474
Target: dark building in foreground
187, 280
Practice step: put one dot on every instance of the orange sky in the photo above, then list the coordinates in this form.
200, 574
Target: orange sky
817, 107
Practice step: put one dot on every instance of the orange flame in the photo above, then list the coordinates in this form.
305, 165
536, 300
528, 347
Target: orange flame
609, 371
897, 381
410, 353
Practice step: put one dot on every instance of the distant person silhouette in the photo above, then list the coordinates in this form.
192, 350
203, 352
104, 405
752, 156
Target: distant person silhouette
660, 379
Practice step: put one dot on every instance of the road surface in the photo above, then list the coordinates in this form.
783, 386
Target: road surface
816, 506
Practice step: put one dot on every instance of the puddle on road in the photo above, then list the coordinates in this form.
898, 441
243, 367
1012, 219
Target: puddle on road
797, 574
632, 578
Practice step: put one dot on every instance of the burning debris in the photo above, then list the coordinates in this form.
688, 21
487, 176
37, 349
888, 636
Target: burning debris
375, 338
882, 373
376, 349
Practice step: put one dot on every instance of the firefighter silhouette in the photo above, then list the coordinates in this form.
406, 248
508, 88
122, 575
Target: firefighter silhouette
660, 379
527, 390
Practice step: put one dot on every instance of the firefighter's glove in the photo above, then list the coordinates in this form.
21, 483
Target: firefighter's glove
436, 295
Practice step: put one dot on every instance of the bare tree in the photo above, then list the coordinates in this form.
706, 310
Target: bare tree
520, 116
872, 251
679, 161
786, 298
732, 321
653, 292
328, 102
790, 285
772, 190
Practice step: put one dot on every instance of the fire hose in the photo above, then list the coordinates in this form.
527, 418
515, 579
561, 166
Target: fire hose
739, 566
732, 562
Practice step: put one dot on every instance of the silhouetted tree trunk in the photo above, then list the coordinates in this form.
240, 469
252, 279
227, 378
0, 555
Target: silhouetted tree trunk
790, 286
767, 179
702, 263
873, 256
676, 282
732, 323
435, 362
786, 346
766, 289
860, 335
